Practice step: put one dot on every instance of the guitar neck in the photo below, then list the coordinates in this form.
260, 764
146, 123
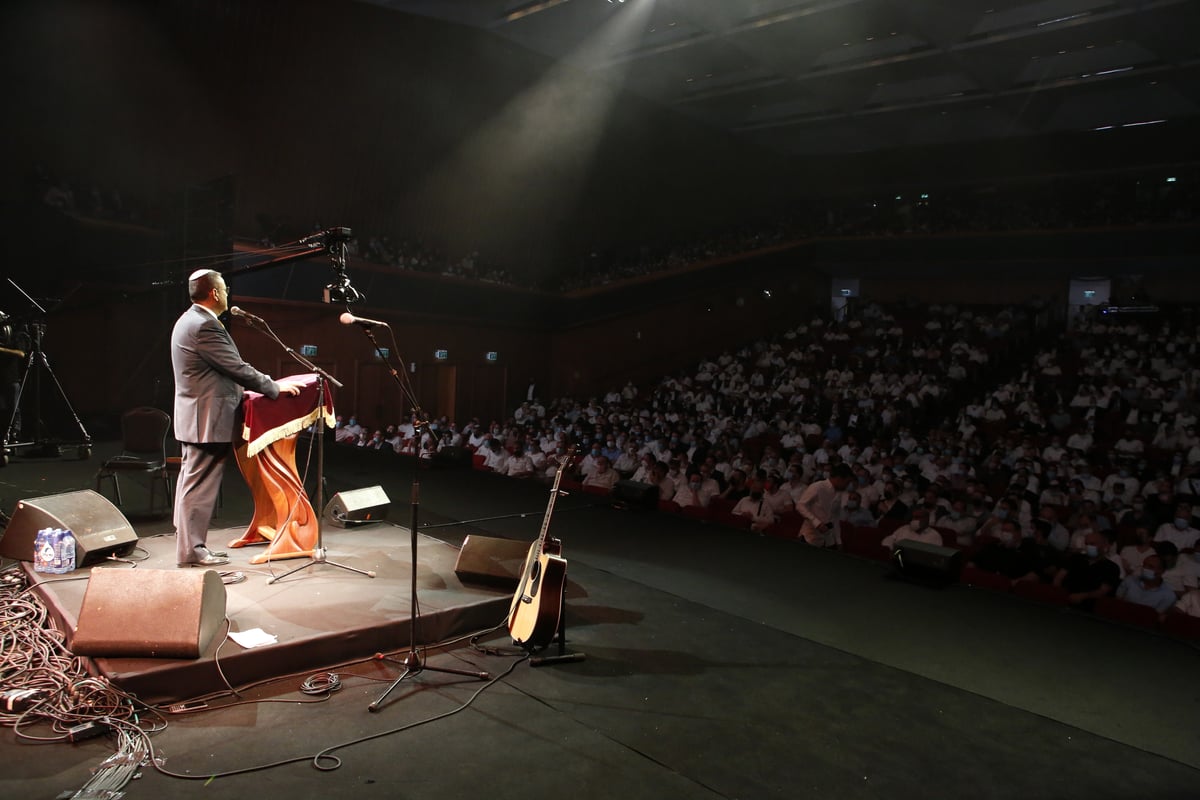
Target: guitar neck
541, 540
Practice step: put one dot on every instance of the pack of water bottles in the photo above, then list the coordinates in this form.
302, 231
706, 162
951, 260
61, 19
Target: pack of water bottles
54, 551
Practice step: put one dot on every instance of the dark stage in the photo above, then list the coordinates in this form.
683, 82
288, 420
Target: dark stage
719, 664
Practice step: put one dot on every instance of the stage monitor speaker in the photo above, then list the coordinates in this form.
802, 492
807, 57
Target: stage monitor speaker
155, 613
636, 493
927, 563
491, 561
357, 507
99, 527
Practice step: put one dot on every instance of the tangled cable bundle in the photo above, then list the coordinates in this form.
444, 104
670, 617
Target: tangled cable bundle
47, 695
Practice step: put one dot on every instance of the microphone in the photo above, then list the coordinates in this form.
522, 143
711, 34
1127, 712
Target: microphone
315, 238
349, 319
246, 315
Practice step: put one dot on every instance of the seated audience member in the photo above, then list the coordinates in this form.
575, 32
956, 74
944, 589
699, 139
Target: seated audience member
343, 435
820, 507
1003, 554
602, 475
642, 473
1148, 587
1089, 575
737, 487
1182, 569
658, 477
627, 463
917, 530
710, 480
854, 513
755, 506
1190, 603
1133, 555
518, 465
1040, 550
1059, 537
692, 493
890, 505
958, 520
495, 456
1179, 531
795, 483
779, 500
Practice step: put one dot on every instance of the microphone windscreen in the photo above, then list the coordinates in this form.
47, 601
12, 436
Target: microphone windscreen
347, 318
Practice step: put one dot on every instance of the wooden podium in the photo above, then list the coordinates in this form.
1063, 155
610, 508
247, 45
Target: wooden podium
283, 519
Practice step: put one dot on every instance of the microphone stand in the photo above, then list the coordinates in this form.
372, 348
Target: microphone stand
318, 554
413, 662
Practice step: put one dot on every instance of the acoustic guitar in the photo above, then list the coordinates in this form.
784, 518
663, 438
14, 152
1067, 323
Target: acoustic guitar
537, 606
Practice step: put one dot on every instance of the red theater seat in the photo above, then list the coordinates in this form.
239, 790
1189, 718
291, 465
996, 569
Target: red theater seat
1182, 625
974, 576
1041, 592
1129, 613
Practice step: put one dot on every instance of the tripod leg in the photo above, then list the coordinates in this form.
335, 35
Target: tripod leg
15, 418
62, 393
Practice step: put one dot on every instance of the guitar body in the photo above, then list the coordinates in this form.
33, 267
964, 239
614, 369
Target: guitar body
537, 605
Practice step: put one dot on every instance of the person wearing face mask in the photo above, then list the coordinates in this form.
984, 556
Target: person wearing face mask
958, 520
1089, 575
854, 512
1147, 587
1179, 531
691, 493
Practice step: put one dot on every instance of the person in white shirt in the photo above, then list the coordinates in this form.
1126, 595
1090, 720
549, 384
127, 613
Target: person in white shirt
691, 493
756, 507
820, 506
602, 475
917, 530
958, 520
777, 497
518, 465
1179, 531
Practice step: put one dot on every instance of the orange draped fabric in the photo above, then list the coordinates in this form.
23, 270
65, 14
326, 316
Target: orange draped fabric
283, 518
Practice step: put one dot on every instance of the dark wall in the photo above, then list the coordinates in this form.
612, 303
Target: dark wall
346, 113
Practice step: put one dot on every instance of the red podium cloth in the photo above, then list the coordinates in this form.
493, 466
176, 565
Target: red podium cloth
267, 421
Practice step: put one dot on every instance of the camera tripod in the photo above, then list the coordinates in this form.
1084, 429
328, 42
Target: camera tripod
37, 365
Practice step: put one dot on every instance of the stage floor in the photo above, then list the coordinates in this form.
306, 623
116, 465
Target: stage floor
718, 665
321, 615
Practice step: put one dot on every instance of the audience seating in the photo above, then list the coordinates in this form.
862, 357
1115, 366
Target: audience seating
1129, 613
1041, 592
974, 576
1176, 623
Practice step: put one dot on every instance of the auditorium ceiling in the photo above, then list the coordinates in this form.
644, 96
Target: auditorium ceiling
845, 76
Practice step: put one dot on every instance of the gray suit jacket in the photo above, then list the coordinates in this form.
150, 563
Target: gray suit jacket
209, 379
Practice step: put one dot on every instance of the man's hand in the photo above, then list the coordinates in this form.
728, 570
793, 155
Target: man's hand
287, 387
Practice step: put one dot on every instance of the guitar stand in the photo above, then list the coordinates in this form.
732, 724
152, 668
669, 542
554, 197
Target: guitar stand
562, 657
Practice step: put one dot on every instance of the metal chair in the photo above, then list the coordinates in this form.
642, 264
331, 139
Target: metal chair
144, 441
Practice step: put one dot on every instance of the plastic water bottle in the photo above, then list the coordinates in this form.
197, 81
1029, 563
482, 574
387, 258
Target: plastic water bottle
68, 552
43, 551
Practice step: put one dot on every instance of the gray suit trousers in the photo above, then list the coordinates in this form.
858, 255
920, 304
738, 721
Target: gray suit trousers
196, 494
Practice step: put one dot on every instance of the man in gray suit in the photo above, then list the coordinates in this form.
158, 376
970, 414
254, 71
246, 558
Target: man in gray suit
210, 378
